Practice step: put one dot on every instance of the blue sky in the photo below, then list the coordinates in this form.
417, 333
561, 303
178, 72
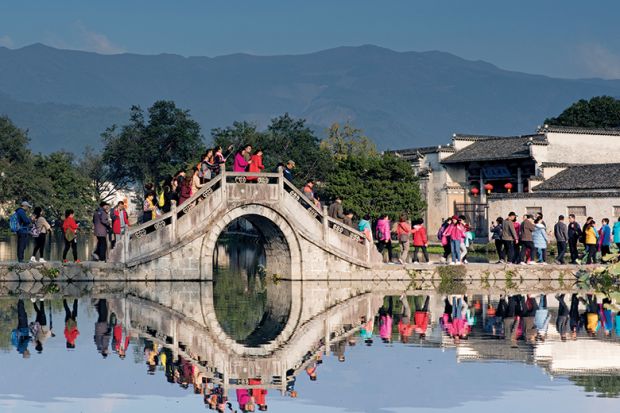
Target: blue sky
565, 38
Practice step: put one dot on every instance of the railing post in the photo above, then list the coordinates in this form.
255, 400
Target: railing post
223, 183
126, 246
325, 224
173, 222
280, 183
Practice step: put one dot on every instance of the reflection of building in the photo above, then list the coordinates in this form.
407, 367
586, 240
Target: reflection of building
555, 171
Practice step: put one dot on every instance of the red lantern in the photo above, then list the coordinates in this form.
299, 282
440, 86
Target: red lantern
475, 191
489, 188
508, 186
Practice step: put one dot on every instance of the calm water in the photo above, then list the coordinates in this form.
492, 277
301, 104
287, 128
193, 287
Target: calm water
312, 347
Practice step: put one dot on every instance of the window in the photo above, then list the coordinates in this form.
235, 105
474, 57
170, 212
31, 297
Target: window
578, 211
533, 210
617, 211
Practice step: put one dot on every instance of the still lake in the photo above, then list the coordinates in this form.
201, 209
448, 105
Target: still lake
151, 347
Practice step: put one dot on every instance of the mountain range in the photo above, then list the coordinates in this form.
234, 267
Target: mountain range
66, 98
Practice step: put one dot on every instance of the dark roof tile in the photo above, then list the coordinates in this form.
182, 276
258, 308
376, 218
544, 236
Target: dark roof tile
496, 148
582, 131
583, 178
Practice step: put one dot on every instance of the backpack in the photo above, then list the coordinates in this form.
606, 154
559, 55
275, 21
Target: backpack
582, 237
14, 223
35, 231
442, 229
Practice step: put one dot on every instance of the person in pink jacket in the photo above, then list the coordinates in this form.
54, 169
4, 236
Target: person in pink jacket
384, 236
242, 159
456, 232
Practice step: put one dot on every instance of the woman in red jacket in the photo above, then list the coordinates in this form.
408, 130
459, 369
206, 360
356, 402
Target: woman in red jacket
256, 164
420, 240
69, 230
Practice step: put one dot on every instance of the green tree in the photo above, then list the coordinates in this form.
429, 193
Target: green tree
16, 169
92, 166
347, 140
141, 152
379, 184
598, 112
285, 138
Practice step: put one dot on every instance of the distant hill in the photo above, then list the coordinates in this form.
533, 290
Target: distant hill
66, 98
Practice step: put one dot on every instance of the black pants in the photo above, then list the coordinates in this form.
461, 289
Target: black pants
73, 246
574, 252
447, 250
509, 250
499, 247
39, 245
22, 243
561, 251
22, 317
381, 245
424, 308
41, 318
70, 314
525, 246
102, 310
605, 250
591, 250
102, 247
415, 253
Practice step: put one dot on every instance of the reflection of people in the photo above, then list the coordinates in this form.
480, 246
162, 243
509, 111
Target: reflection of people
71, 331
575, 319
421, 317
311, 371
40, 330
245, 400
102, 328
20, 336
405, 328
119, 345
385, 321
290, 383
562, 321
338, 350
259, 395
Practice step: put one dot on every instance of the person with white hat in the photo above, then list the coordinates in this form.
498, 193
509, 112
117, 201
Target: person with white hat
23, 229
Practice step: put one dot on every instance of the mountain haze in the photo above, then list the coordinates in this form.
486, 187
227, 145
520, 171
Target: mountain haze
401, 99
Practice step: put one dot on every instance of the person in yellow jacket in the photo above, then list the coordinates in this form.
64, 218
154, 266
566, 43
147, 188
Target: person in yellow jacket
591, 241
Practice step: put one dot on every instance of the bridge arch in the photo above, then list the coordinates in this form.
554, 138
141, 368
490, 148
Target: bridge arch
282, 247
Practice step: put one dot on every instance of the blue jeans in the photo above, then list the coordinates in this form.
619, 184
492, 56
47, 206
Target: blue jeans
541, 254
456, 250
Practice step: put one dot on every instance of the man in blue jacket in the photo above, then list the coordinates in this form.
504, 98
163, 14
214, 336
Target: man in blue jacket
605, 237
23, 230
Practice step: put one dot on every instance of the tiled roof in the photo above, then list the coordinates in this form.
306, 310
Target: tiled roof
583, 178
559, 194
496, 148
582, 131
414, 153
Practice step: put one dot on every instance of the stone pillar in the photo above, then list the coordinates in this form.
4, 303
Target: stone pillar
280, 182
519, 180
325, 224
126, 246
173, 222
223, 184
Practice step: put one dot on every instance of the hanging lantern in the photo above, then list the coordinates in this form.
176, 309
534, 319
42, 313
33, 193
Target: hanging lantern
475, 191
488, 187
508, 186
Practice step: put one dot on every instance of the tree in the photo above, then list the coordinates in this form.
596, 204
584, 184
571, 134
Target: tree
375, 185
143, 152
285, 139
598, 112
15, 164
93, 167
345, 141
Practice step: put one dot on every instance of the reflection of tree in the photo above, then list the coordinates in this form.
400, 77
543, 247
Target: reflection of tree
8, 320
604, 386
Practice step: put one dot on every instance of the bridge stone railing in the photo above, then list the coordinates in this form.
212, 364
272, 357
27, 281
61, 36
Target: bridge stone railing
145, 241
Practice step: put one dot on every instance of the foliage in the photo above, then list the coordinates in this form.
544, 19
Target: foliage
605, 386
53, 182
141, 151
451, 279
285, 139
93, 167
604, 279
346, 141
598, 112
381, 184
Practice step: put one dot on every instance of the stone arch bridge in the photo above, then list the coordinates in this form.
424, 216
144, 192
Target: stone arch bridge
299, 238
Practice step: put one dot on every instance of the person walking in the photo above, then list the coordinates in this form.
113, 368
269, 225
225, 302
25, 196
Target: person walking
591, 241
403, 233
509, 237
540, 240
420, 240
219, 159
256, 164
101, 223
288, 170
560, 231
335, 210
444, 240
574, 234
69, 232
364, 227
39, 232
527, 244
605, 238
149, 208
205, 167
496, 236
616, 234
456, 232
196, 181
186, 190
20, 224
120, 221
384, 236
